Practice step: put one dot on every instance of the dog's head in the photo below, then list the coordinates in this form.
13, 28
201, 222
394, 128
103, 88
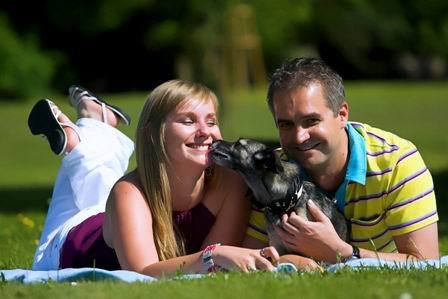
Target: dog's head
266, 171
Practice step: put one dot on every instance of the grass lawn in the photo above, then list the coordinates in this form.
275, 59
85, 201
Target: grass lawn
343, 285
415, 111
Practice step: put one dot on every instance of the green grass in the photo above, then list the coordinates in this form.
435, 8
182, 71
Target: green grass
345, 284
415, 111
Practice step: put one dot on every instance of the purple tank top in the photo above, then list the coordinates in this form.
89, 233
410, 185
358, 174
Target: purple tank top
85, 246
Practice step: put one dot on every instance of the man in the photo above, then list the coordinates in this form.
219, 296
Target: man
380, 181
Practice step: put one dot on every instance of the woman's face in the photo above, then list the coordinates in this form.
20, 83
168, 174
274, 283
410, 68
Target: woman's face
189, 131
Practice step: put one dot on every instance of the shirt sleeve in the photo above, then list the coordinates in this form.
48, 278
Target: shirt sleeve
410, 200
257, 226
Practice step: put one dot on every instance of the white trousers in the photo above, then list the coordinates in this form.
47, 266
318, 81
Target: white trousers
82, 186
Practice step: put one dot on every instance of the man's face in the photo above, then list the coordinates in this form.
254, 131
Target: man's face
309, 131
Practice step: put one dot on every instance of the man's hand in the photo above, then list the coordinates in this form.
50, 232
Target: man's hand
316, 239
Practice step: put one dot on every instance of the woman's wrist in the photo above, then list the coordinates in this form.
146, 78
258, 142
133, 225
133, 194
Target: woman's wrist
207, 258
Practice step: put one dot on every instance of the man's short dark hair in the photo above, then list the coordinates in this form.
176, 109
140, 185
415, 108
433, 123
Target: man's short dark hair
302, 72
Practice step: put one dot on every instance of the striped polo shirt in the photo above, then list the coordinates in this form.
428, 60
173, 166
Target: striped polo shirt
387, 190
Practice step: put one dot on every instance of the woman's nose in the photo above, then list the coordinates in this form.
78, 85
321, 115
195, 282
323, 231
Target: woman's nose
203, 129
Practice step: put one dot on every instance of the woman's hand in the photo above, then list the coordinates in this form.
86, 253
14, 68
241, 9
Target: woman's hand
244, 259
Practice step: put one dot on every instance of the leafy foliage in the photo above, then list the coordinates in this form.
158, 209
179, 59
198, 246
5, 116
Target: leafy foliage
25, 68
134, 45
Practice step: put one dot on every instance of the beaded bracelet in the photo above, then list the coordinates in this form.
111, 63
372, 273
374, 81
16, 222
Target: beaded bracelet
207, 258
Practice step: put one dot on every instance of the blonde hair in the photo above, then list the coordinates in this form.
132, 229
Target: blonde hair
153, 161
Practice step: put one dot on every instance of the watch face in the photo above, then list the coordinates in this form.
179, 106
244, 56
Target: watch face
356, 252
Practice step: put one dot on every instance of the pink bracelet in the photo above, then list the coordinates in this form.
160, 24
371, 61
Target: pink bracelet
207, 258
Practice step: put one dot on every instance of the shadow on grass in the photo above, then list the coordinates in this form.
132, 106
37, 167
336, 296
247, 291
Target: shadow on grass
441, 189
23, 199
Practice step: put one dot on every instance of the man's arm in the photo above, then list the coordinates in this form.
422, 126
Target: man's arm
319, 240
421, 244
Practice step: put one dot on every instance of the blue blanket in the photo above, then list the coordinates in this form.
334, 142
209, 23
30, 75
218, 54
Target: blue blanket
94, 274
71, 274
375, 263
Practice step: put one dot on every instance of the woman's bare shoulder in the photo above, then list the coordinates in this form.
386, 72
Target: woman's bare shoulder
224, 184
128, 182
227, 177
126, 199
128, 187
125, 207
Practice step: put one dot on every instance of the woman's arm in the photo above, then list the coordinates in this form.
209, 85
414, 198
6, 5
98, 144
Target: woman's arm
233, 209
226, 257
128, 228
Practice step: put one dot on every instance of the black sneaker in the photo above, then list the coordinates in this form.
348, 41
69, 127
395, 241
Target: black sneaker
78, 94
43, 120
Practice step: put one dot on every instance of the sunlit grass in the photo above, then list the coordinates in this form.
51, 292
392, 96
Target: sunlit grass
415, 111
378, 283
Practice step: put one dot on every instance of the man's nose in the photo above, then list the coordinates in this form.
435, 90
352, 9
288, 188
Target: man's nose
301, 134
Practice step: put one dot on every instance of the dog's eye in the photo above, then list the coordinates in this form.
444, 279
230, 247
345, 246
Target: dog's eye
262, 160
258, 156
259, 160
242, 142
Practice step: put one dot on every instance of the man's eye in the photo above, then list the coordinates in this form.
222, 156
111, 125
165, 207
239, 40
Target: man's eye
285, 125
311, 122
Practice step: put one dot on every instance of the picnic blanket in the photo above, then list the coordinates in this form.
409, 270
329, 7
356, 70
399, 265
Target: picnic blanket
357, 264
95, 274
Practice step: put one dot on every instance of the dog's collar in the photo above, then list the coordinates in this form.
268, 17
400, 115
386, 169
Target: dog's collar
286, 204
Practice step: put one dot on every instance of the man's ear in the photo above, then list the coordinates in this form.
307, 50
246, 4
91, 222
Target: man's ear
343, 113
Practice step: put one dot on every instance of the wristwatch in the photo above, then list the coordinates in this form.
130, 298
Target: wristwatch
355, 254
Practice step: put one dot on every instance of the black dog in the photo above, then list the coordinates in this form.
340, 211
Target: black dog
276, 184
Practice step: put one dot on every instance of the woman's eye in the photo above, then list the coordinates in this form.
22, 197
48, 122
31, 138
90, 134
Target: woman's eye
187, 121
211, 123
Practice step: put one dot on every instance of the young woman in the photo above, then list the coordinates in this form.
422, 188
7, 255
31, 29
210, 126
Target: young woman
175, 211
